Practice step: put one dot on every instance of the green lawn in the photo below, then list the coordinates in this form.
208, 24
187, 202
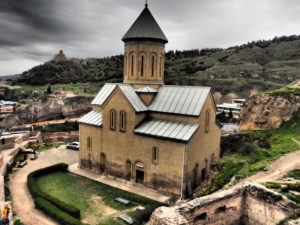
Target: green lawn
95, 200
244, 165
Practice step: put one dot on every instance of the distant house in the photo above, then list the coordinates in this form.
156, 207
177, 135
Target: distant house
234, 107
7, 106
160, 136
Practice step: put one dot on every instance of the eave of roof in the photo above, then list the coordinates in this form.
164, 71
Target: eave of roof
92, 118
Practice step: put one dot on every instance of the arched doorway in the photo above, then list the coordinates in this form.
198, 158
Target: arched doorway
102, 162
140, 173
128, 170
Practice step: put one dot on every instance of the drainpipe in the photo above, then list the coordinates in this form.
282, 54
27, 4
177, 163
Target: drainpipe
182, 175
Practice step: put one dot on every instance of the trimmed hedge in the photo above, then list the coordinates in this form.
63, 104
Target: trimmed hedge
55, 213
50, 205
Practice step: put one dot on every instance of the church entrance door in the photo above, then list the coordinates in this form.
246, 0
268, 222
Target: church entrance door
139, 176
140, 173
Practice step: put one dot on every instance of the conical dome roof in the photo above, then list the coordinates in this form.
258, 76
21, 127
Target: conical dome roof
145, 27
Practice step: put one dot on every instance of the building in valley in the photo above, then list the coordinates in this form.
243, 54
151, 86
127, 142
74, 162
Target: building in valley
160, 136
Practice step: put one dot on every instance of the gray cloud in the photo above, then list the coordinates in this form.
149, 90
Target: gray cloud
32, 31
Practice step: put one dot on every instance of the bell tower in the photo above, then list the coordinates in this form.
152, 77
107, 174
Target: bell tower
144, 57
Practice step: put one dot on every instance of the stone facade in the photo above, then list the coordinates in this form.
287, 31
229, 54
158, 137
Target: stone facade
144, 63
250, 204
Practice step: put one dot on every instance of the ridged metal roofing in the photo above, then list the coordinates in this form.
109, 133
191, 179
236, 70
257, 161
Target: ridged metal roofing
126, 89
93, 118
104, 93
146, 89
133, 98
184, 100
145, 27
167, 130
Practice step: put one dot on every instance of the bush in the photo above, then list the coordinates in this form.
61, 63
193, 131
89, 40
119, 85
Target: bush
247, 149
55, 213
36, 192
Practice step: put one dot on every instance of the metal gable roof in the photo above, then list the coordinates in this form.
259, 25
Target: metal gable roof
93, 118
145, 27
146, 89
184, 100
167, 130
126, 89
132, 97
103, 94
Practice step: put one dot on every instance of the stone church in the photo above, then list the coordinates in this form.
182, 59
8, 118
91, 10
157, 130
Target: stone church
161, 136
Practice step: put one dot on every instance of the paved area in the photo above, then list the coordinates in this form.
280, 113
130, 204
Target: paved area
121, 184
21, 199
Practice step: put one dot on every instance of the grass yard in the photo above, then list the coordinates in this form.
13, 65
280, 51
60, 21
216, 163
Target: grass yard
95, 200
85, 89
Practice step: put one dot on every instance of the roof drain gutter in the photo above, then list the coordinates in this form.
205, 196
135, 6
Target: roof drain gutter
182, 175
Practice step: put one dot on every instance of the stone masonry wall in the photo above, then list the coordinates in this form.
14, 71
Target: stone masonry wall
250, 204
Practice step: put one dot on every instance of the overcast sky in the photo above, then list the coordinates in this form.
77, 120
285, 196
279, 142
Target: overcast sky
32, 31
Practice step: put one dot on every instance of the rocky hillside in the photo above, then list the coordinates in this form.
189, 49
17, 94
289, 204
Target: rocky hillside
48, 110
270, 110
240, 70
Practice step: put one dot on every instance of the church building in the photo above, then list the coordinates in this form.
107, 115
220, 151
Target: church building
160, 136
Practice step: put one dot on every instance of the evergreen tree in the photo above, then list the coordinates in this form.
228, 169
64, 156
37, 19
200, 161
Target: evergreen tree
49, 90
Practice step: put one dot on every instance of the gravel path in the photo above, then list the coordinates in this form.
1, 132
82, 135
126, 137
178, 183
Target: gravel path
276, 169
21, 200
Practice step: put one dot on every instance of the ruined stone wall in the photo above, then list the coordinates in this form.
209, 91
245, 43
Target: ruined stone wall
250, 204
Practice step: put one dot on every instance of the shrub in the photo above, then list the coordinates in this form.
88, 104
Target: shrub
36, 192
247, 149
294, 174
55, 213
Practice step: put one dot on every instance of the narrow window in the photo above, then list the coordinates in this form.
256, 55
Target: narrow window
155, 152
89, 143
113, 119
152, 66
142, 66
160, 67
207, 120
132, 65
123, 121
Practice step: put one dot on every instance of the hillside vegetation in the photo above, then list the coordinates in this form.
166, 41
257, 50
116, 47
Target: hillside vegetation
253, 67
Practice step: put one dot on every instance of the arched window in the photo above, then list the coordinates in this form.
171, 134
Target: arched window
142, 65
155, 154
89, 143
112, 119
132, 65
207, 120
123, 121
153, 65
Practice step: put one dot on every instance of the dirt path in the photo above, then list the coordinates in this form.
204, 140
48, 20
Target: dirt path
276, 169
21, 199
